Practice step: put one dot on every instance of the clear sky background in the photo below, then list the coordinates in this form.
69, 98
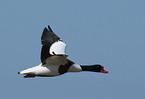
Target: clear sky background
109, 32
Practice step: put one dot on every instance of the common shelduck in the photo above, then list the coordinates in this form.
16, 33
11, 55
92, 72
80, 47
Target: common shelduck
54, 60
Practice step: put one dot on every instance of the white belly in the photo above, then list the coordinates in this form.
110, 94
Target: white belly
51, 70
42, 70
48, 71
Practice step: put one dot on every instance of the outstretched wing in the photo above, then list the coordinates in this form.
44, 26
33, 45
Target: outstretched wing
53, 49
48, 36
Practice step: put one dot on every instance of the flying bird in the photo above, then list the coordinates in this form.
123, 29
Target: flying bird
54, 61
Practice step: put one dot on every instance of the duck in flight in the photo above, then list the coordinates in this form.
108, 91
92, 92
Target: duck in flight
54, 60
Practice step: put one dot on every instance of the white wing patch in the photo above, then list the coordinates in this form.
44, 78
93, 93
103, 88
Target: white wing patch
58, 48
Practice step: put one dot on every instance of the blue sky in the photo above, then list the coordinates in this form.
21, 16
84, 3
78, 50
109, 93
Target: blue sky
109, 32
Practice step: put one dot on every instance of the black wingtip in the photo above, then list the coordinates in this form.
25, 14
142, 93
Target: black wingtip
45, 28
50, 28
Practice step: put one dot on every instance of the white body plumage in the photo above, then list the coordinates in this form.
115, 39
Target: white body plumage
54, 61
51, 70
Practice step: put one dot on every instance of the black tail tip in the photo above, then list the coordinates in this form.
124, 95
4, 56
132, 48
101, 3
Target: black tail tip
18, 72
